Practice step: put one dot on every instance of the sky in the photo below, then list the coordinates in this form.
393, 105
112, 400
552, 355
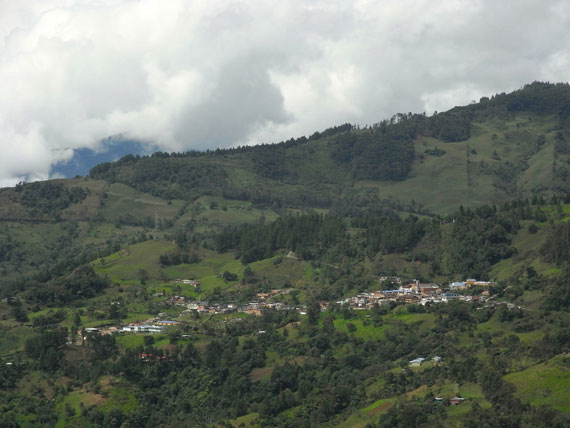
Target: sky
191, 74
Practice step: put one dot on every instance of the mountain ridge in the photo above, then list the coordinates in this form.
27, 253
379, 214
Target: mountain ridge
494, 150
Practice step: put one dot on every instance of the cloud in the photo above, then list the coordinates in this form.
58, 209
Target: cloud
194, 75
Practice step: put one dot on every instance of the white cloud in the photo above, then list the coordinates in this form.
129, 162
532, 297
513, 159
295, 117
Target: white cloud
203, 74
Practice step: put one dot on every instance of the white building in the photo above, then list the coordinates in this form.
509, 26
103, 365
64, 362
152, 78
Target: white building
143, 328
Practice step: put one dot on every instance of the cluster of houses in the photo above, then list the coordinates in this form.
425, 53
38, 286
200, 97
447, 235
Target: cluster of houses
420, 360
453, 401
417, 362
407, 292
252, 308
416, 292
150, 326
190, 282
468, 283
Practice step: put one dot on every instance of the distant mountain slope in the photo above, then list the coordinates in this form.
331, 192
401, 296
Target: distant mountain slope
85, 159
510, 145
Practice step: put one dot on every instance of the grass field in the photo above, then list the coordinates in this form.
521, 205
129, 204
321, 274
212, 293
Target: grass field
122, 200
248, 420
464, 170
124, 265
369, 414
124, 268
545, 383
365, 328
107, 395
13, 339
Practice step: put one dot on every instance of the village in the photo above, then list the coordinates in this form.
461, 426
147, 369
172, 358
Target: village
417, 293
407, 292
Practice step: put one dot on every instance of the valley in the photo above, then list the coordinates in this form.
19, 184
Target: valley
410, 273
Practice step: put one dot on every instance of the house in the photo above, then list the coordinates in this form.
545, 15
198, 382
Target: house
378, 295
187, 282
437, 359
460, 285
146, 357
167, 323
428, 289
143, 328
472, 281
417, 362
456, 400
483, 283
446, 297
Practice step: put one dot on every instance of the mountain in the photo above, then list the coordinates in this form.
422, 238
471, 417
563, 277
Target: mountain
261, 280
511, 145
84, 159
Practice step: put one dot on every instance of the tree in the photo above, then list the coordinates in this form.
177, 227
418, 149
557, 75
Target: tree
114, 312
247, 274
142, 276
174, 336
229, 276
314, 312
19, 313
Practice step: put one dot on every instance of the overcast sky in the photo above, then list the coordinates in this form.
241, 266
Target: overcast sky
198, 74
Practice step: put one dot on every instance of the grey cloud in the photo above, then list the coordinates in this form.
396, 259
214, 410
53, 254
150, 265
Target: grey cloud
195, 75
244, 99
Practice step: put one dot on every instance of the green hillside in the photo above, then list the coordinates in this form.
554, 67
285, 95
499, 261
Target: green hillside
281, 285
512, 145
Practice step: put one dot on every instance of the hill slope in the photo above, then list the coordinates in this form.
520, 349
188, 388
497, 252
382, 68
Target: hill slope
239, 259
512, 145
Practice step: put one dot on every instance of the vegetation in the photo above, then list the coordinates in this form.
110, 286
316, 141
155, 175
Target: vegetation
480, 191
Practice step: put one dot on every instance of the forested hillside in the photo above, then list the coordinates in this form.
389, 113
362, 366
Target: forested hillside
510, 145
412, 273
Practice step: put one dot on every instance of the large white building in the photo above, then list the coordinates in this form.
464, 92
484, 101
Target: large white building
143, 328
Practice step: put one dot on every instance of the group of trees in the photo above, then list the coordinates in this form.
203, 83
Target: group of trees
49, 197
321, 373
170, 178
390, 234
557, 246
468, 242
381, 153
176, 258
322, 370
83, 283
306, 235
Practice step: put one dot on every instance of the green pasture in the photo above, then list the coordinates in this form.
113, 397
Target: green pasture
545, 383
465, 170
122, 200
